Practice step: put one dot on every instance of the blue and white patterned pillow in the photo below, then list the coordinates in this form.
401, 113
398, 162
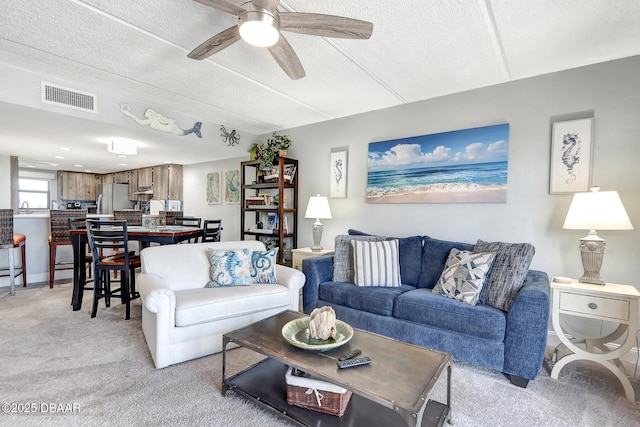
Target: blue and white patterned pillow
263, 266
464, 275
229, 268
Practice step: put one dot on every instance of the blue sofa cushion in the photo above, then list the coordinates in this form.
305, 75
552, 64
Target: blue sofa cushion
424, 307
434, 257
378, 300
410, 250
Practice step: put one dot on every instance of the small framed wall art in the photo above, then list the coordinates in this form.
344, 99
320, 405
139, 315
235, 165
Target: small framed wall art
571, 148
213, 188
339, 166
232, 187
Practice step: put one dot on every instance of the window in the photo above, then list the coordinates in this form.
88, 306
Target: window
35, 192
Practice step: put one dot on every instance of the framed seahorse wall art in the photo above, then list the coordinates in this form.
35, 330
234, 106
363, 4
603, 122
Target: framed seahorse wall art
571, 153
338, 178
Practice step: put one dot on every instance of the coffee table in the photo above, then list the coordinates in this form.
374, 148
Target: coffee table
393, 390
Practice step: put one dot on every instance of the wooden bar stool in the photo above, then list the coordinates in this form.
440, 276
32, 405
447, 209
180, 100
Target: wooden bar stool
11, 241
59, 222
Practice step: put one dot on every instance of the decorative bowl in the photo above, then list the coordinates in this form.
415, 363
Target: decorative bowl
296, 333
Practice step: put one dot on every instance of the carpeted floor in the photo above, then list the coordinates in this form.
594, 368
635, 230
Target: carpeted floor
72, 370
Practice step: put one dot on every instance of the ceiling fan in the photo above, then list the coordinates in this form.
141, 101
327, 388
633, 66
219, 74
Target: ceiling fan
260, 24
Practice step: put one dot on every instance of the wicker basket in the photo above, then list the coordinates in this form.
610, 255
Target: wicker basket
316, 395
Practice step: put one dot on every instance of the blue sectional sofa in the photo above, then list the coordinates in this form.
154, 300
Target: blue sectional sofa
512, 342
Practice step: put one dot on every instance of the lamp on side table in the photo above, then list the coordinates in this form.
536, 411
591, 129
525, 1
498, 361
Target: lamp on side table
602, 210
317, 208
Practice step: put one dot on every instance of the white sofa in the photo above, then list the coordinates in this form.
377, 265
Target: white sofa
183, 320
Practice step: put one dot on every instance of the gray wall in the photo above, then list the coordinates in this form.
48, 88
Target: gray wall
610, 92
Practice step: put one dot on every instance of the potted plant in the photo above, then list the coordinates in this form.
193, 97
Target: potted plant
276, 146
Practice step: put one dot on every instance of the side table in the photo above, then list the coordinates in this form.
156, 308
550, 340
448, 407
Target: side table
611, 302
303, 253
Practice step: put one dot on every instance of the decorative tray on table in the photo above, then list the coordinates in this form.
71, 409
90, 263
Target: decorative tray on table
296, 333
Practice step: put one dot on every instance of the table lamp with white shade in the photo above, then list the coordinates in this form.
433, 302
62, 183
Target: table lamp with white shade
601, 210
317, 208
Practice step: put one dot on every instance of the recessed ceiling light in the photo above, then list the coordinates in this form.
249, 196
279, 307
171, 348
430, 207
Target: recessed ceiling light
167, 161
30, 166
123, 164
78, 166
58, 157
65, 148
88, 170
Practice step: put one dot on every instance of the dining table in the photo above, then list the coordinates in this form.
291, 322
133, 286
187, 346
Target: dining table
162, 235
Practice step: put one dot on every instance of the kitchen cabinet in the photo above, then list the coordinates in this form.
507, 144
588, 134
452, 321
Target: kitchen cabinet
133, 185
145, 177
77, 185
121, 177
167, 182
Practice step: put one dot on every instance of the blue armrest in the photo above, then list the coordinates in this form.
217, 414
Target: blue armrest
317, 270
527, 325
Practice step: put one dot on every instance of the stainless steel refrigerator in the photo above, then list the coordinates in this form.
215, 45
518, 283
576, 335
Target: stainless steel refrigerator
112, 197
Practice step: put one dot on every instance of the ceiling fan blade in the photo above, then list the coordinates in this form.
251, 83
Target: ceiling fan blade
222, 5
287, 59
325, 25
266, 4
216, 43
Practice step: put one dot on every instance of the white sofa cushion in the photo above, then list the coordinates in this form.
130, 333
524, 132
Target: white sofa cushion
195, 306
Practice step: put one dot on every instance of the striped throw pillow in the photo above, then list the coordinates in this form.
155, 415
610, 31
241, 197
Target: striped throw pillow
376, 263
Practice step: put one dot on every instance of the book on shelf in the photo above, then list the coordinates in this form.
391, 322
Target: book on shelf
272, 175
254, 201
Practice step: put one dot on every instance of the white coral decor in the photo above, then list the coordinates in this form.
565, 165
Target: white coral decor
322, 323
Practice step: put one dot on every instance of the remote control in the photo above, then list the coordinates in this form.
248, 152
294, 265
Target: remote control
343, 364
350, 355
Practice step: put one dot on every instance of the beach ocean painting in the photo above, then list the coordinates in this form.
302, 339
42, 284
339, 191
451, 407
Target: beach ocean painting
462, 166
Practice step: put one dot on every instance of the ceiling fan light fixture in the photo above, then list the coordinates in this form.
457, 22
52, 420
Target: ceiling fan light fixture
259, 28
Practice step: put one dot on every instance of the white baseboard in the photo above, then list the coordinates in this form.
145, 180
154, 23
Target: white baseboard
631, 357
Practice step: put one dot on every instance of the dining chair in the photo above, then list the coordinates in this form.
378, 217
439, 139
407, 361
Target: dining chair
11, 241
133, 218
188, 222
59, 223
166, 217
212, 230
110, 239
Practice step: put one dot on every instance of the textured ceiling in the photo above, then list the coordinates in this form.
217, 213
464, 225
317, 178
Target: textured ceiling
135, 52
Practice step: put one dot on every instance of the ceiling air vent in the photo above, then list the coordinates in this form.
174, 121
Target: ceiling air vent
69, 98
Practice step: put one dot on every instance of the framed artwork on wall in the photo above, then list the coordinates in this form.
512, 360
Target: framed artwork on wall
213, 188
571, 147
460, 166
339, 166
232, 187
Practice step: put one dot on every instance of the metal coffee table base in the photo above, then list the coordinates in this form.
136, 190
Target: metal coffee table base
264, 385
